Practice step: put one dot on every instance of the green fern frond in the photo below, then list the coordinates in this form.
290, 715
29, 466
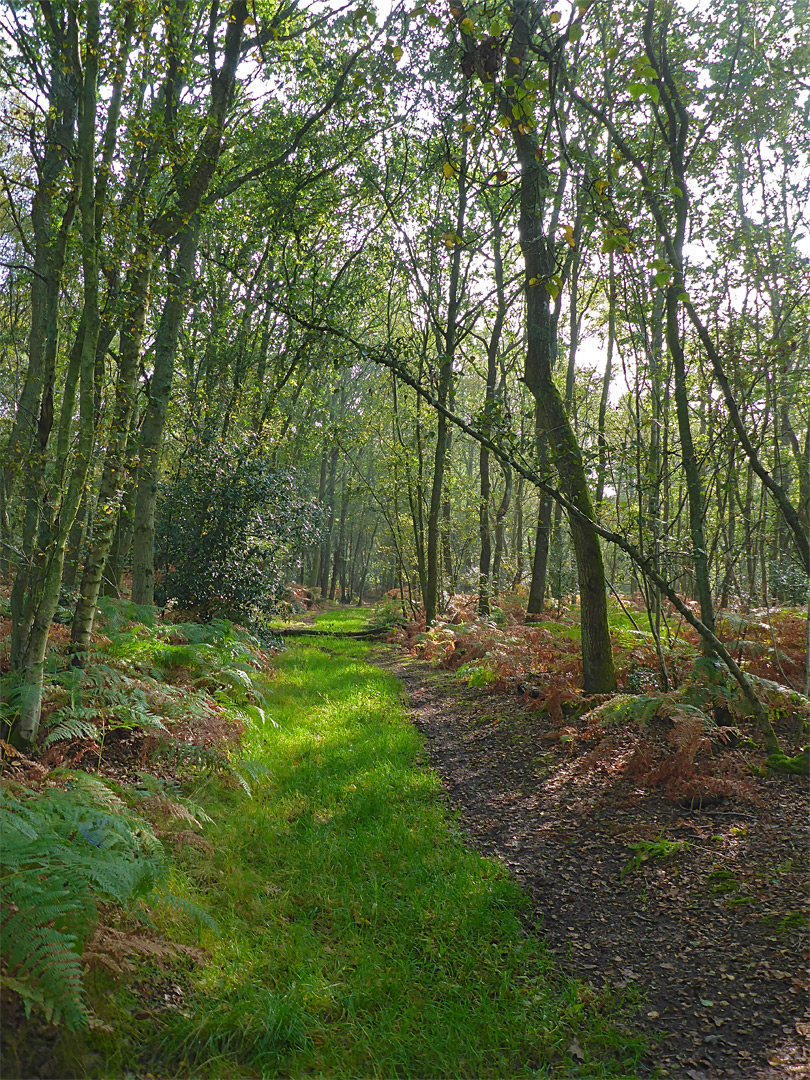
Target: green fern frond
191, 755
175, 803
66, 726
64, 849
254, 713
185, 907
233, 678
245, 770
104, 793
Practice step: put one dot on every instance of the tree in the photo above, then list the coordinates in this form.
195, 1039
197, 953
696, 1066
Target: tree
538, 224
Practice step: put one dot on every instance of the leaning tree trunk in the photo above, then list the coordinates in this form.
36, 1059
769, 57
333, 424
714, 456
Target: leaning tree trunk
538, 247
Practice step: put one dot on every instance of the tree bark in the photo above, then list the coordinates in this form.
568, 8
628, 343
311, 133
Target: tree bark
160, 385
446, 347
110, 491
45, 581
599, 674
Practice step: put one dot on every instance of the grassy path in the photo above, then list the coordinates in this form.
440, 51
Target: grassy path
359, 936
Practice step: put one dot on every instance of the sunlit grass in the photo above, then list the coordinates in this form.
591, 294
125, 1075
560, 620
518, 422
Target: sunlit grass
344, 619
621, 624
360, 937
333, 618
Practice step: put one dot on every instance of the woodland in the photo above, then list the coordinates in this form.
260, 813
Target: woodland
458, 351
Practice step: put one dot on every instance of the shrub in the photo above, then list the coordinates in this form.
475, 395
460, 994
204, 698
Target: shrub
229, 526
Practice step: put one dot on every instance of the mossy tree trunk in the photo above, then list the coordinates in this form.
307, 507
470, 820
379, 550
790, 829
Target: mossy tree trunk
110, 493
160, 385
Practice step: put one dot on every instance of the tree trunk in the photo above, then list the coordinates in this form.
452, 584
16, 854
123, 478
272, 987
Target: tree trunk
160, 385
47, 572
326, 547
599, 675
537, 586
484, 583
517, 542
601, 438
315, 574
500, 530
694, 486
110, 492
446, 340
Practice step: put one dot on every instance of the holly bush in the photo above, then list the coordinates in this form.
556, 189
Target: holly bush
229, 527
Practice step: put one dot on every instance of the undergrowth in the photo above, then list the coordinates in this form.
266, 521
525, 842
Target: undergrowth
359, 935
690, 736
82, 821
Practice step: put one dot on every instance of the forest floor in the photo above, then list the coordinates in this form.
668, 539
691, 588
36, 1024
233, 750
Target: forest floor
663, 861
701, 907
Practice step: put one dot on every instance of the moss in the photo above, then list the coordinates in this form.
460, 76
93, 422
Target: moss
798, 765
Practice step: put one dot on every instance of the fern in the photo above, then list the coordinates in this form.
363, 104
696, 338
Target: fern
104, 793
206, 759
99, 699
248, 711
66, 726
245, 769
162, 897
190, 755
164, 795
62, 852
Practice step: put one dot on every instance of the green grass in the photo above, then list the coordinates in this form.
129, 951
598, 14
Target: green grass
333, 618
344, 619
360, 937
621, 625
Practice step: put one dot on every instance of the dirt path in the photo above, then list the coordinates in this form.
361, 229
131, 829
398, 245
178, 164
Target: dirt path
708, 937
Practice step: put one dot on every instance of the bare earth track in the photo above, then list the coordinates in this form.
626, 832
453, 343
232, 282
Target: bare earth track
712, 938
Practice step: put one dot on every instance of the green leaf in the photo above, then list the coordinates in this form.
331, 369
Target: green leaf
575, 33
662, 278
653, 92
551, 289
636, 90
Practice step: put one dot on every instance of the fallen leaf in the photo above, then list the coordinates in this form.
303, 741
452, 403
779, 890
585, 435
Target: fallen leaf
575, 1050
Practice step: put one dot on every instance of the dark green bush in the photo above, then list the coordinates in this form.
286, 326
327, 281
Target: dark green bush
229, 527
